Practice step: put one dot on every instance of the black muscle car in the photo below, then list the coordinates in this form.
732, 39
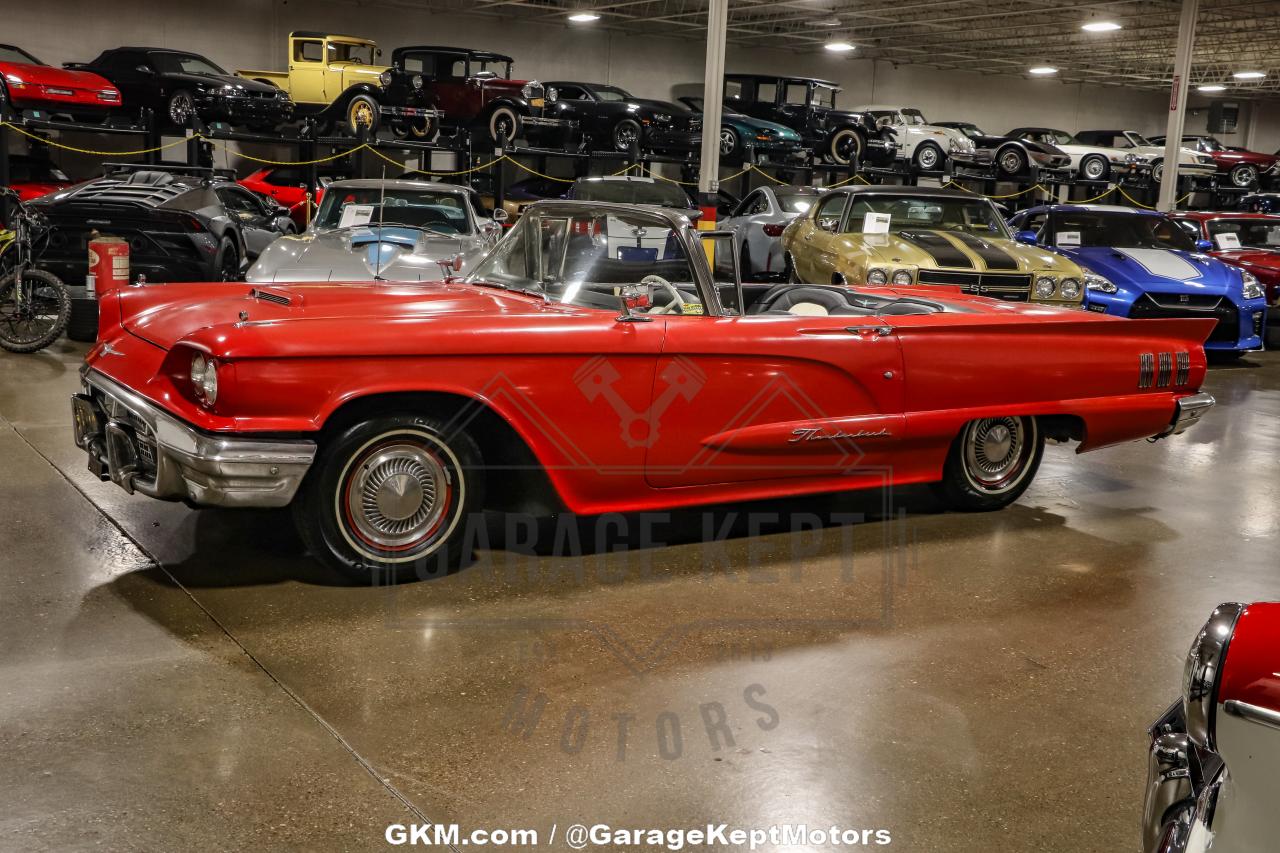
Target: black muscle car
612, 118
807, 105
1011, 155
177, 85
182, 223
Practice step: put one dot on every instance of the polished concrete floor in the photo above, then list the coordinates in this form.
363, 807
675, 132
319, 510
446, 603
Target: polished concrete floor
178, 679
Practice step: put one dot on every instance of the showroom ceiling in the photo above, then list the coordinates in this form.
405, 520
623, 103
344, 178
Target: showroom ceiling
998, 36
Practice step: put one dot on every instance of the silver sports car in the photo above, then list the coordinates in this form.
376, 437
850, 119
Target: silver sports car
370, 230
757, 224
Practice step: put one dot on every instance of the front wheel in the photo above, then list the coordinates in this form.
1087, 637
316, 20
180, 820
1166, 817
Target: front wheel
626, 134
504, 126
1012, 162
929, 157
1244, 176
181, 108
362, 111
417, 129
33, 312
991, 463
844, 147
1095, 168
388, 497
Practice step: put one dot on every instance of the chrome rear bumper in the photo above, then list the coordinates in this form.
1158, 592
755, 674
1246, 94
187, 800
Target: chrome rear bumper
1190, 409
141, 448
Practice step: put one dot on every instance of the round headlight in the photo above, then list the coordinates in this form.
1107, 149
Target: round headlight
1252, 289
902, 277
385, 78
209, 383
1203, 672
1070, 288
416, 82
877, 276
1045, 285
198, 366
552, 94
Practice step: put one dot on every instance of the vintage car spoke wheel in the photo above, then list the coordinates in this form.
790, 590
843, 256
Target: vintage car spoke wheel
1012, 162
362, 112
414, 128
1244, 175
625, 134
504, 125
1094, 168
386, 499
181, 108
991, 463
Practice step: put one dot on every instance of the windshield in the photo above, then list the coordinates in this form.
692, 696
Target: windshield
434, 210
631, 192
1118, 231
694, 104
500, 67
971, 130
1209, 143
796, 201
183, 63
590, 259
361, 53
971, 216
1050, 137
1254, 233
914, 117
1137, 139
13, 54
824, 96
610, 93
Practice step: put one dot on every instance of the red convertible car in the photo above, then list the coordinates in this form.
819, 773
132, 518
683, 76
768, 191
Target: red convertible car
1250, 241
1213, 754
28, 84
595, 361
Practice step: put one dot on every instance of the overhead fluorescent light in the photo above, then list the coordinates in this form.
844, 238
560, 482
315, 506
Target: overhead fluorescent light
1249, 75
1211, 87
1042, 70
839, 46
1100, 26
833, 21
584, 17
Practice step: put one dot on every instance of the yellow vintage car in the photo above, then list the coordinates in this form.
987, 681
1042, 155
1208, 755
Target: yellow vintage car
919, 235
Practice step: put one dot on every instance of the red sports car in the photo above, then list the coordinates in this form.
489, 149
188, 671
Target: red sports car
595, 361
287, 185
1250, 241
1241, 168
28, 84
1213, 755
33, 177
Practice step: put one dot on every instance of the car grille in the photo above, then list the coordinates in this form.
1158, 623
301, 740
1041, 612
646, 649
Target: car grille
1164, 305
144, 440
1012, 288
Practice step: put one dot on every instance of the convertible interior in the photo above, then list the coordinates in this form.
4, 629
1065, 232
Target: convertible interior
824, 300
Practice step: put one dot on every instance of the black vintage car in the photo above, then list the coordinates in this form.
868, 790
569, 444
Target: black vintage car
1011, 155
613, 118
182, 223
808, 106
177, 85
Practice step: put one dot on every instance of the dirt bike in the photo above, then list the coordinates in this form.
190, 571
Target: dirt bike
34, 304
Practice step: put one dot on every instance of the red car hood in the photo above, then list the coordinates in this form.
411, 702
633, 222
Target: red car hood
47, 75
35, 189
1235, 157
1266, 258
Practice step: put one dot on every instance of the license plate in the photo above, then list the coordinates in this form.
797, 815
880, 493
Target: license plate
67, 92
536, 102
1101, 309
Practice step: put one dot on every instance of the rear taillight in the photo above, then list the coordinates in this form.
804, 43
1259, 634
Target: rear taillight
774, 229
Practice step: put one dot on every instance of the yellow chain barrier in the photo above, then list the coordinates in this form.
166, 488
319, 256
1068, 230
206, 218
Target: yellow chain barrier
90, 151
382, 156
1147, 206
525, 168
998, 197
217, 143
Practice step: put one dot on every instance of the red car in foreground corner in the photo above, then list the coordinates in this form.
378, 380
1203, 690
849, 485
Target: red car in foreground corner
26, 83
1211, 767
1250, 241
595, 361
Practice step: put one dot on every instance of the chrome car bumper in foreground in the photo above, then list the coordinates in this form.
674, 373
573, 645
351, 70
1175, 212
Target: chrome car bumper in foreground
1190, 409
1183, 784
141, 448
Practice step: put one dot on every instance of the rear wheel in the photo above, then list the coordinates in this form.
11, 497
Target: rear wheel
388, 497
626, 134
991, 463
418, 129
33, 313
1012, 162
227, 261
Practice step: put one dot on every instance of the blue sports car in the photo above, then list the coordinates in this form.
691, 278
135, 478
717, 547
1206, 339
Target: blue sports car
1140, 263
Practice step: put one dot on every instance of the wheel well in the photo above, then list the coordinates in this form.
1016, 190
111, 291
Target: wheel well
515, 480
1062, 427
838, 278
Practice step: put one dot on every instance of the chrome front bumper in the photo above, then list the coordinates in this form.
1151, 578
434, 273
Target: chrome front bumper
1190, 409
1183, 784
141, 448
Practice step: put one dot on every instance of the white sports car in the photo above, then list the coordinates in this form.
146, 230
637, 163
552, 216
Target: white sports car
1092, 162
927, 146
1190, 163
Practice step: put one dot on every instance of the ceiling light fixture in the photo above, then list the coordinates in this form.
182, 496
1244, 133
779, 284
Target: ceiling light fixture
1249, 75
1211, 87
1100, 26
1042, 70
584, 17
839, 46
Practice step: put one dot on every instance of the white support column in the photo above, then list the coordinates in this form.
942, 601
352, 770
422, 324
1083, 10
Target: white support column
713, 97
1178, 103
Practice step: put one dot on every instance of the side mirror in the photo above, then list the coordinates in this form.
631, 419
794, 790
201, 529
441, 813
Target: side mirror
377, 51
500, 216
1204, 245
143, 69
1028, 237
324, 182
829, 223
450, 267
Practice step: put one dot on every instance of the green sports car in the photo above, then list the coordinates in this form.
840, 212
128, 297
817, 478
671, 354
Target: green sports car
771, 141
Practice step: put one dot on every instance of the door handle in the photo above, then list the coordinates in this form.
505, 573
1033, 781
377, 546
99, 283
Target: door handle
870, 331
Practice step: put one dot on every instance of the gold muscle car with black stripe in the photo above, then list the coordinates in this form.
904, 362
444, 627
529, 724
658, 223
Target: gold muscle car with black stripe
887, 235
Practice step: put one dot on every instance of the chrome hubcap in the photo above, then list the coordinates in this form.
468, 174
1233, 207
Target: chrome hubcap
1244, 176
995, 452
928, 157
395, 496
1093, 169
1012, 163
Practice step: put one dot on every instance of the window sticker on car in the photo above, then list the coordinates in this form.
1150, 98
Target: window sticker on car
1068, 238
1227, 240
355, 214
876, 223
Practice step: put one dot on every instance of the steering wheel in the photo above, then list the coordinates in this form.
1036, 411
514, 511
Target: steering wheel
677, 298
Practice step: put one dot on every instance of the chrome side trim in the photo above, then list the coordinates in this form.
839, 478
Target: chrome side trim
228, 471
1146, 369
1184, 368
1252, 713
1165, 373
